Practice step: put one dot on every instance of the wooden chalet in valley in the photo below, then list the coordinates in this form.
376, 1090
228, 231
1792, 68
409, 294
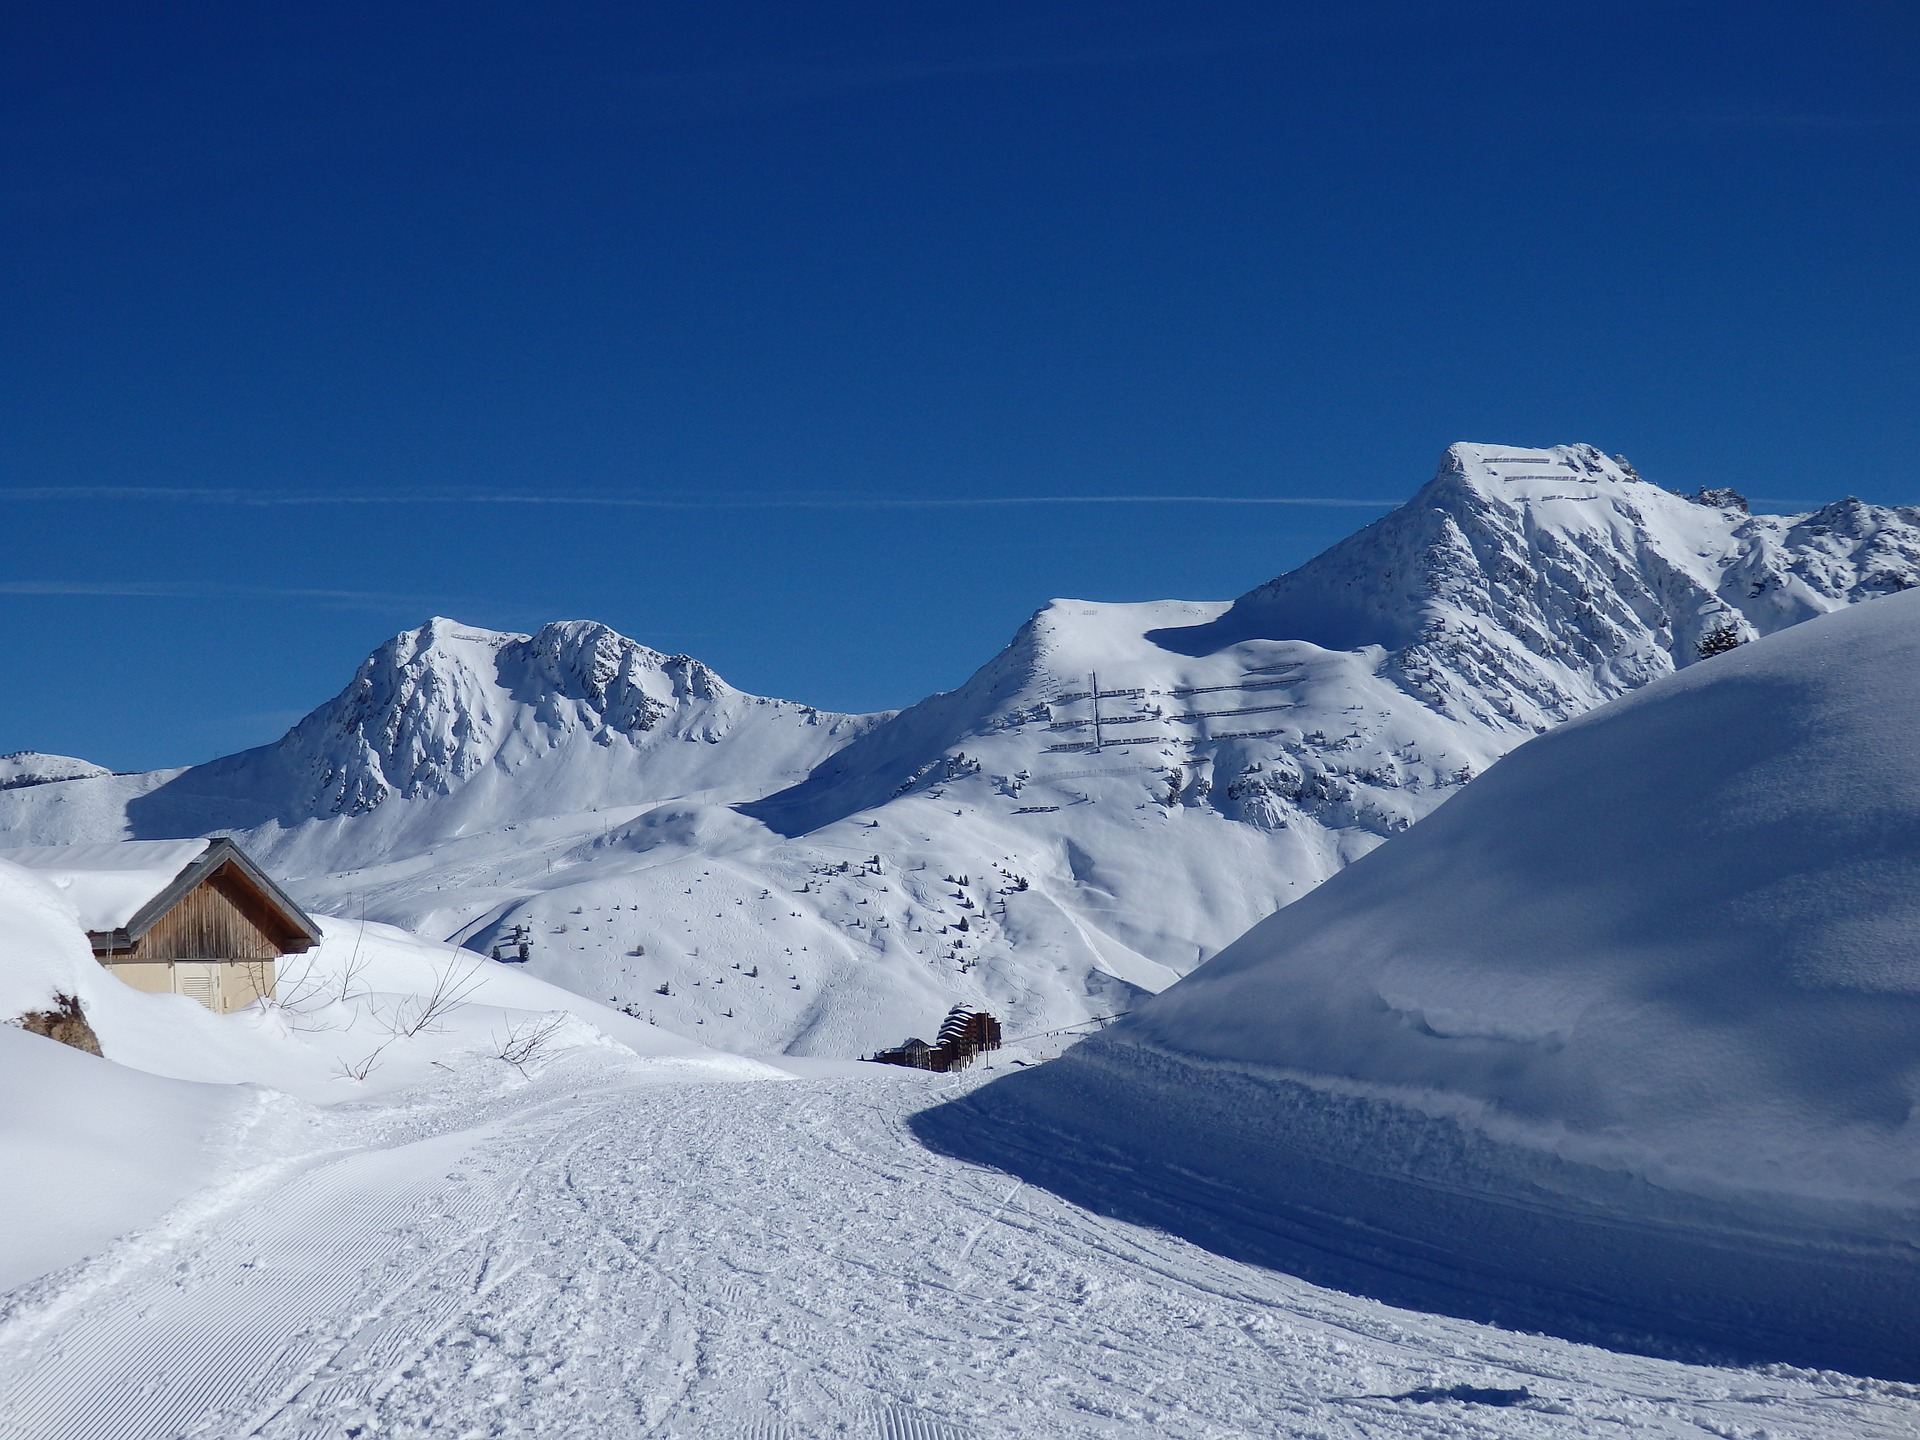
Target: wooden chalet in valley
182, 917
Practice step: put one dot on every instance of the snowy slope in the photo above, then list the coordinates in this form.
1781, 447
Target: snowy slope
91, 1147
1631, 1030
336, 1005
88, 1148
590, 1252
30, 767
798, 880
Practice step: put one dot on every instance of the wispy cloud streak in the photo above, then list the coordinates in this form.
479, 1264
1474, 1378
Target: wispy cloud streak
205, 590
271, 498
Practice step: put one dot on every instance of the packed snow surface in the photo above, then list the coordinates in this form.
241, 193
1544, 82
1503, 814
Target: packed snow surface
1118, 794
615, 1246
1624, 1038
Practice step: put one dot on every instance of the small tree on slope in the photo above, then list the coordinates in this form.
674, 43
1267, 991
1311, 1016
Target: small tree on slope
1719, 640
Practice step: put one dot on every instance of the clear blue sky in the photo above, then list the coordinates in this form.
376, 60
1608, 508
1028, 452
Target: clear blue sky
870, 254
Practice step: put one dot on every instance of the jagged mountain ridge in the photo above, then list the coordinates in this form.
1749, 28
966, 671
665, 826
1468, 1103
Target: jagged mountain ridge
1531, 585
1515, 590
448, 726
433, 707
652, 832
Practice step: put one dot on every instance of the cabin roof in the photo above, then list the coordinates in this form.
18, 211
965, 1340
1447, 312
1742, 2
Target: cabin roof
121, 889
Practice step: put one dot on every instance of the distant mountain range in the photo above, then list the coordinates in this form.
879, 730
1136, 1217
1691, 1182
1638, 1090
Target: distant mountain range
1119, 793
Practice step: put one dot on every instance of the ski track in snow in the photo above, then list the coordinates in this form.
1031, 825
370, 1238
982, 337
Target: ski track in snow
598, 1253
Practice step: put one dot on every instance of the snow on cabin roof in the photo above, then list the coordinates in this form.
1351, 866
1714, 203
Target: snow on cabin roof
108, 884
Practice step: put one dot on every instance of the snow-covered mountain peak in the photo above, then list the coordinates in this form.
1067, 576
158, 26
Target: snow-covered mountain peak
612, 684
455, 730
1520, 587
421, 713
1498, 468
435, 706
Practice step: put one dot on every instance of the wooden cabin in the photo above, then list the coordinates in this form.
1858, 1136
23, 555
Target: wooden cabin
178, 917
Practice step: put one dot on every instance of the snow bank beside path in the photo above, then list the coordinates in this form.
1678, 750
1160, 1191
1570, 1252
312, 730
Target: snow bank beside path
370, 1009
93, 1148
90, 1149
1624, 1041
374, 1008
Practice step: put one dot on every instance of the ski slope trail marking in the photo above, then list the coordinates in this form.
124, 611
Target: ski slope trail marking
598, 1253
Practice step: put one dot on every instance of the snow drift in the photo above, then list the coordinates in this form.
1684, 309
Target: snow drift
91, 1148
94, 1147
1624, 1041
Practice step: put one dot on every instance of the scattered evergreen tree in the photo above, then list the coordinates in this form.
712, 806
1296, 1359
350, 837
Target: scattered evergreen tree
1720, 639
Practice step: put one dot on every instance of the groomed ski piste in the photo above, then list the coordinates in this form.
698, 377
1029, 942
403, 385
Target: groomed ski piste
614, 1245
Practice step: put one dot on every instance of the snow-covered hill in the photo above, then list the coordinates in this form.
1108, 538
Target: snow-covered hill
30, 767
1114, 797
93, 1147
1645, 998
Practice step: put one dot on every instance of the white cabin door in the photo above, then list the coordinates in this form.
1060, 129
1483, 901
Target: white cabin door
198, 980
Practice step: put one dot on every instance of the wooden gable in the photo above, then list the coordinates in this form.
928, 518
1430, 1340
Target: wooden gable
221, 907
212, 921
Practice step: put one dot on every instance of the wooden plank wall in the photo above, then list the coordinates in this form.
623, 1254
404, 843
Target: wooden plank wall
205, 925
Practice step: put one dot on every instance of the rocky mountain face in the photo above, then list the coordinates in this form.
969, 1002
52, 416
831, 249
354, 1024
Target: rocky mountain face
1106, 803
448, 728
435, 707
1521, 588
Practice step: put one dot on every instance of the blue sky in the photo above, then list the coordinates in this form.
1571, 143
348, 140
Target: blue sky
292, 297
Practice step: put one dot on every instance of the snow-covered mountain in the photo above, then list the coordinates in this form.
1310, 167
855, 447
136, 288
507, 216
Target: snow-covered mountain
30, 767
1515, 590
1643, 999
1110, 800
447, 727
1523, 587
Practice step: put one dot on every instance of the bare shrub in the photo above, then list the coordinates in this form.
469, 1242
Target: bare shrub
303, 988
364, 1066
453, 986
527, 1041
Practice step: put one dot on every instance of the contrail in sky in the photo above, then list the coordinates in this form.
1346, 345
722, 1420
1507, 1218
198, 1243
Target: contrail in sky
193, 496
195, 590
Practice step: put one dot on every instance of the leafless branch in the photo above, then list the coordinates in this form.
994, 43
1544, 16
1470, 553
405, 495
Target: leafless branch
453, 986
356, 964
526, 1041
363, 1067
